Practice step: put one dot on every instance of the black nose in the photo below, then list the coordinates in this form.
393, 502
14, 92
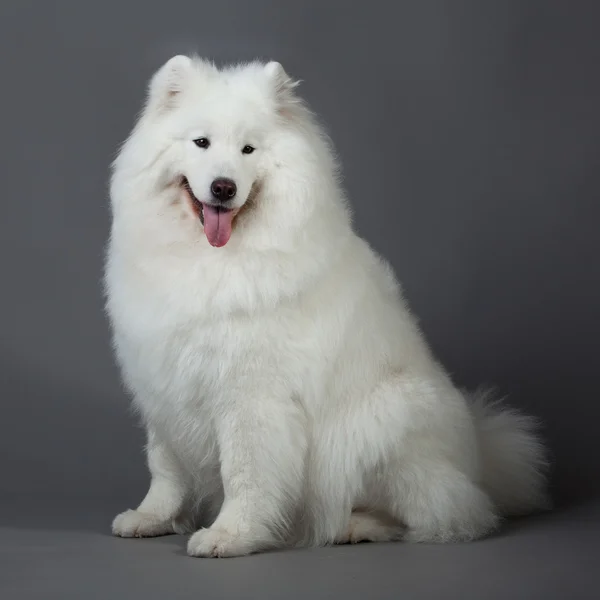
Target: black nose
223, 189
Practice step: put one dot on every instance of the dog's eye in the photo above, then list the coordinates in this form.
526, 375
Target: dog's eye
202, 142
247, 150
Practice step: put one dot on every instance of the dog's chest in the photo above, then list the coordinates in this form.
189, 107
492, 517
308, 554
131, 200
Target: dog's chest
176, 363
181, 353
179, 366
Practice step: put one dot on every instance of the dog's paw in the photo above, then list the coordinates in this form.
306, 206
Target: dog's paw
133, 523
219, 543
366, 527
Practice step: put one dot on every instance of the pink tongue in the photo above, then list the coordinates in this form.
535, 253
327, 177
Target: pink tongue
217, 225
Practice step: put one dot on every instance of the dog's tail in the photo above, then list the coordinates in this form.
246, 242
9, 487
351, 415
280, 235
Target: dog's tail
514, 458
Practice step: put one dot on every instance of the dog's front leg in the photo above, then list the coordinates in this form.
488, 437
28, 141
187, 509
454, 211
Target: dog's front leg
262, 443
165, 498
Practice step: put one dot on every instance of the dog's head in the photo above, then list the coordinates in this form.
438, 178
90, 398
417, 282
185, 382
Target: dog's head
216, 129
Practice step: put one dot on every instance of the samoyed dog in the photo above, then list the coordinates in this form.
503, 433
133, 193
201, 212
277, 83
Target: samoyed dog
288, 395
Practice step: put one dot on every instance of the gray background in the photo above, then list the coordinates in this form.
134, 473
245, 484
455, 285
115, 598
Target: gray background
481, 117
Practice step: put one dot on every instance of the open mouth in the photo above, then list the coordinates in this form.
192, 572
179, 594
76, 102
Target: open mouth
196, 204
216, 220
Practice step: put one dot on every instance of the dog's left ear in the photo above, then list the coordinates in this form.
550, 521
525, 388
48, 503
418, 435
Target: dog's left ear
282, 84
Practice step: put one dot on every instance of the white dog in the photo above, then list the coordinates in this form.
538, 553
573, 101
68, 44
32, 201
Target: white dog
287, 393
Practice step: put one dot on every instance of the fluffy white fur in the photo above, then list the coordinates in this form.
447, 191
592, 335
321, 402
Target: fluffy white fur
288, 395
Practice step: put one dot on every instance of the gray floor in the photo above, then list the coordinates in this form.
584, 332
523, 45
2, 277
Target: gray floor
58, 556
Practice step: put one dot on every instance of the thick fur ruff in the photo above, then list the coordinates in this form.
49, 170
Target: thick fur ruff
288, 394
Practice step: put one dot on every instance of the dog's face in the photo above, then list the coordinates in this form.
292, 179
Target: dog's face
218, 128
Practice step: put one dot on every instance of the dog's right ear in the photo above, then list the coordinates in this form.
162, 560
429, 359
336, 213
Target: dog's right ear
168, 83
